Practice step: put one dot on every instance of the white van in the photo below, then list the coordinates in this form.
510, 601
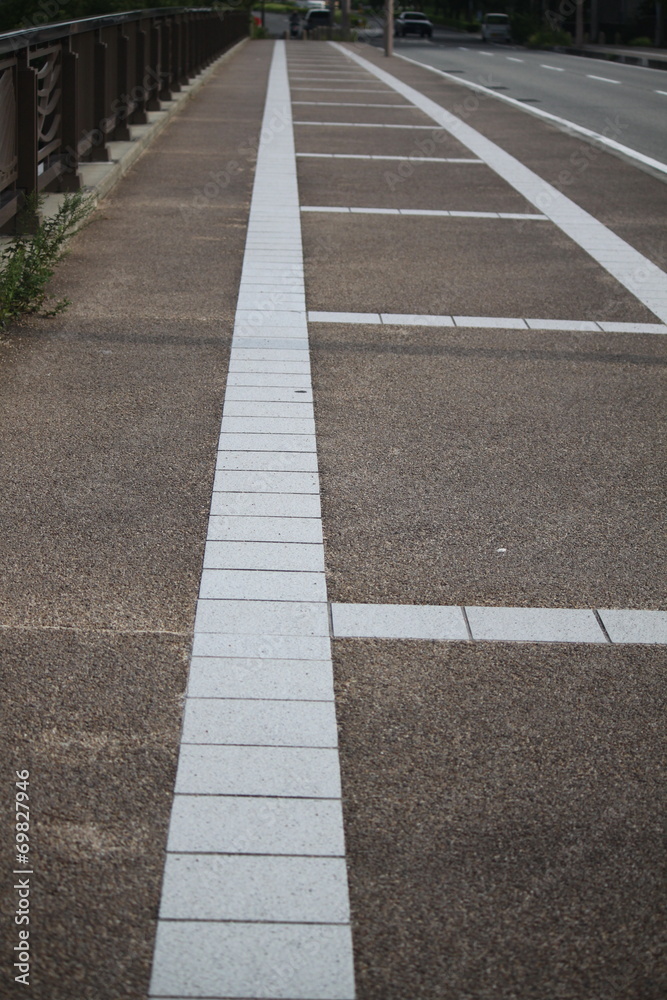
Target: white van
495, 28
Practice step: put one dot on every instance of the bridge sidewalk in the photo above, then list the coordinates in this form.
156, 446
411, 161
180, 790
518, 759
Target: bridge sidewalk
486, 382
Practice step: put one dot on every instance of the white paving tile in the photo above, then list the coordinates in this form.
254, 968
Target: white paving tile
262, 585
245, 677
298, 558
266, 461
406, 319
281, 961
284, 772
398, 621
270, 367
257, 722
301, 409
241, 887
266, 505
534, 624
343, 317
635, 626
268, 344
307, 530
268, 394
254, 646
267, 442
269, 380
266, 481
267, 425
497, 322
262, 617
228, 824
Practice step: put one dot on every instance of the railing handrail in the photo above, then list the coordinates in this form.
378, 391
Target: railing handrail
12, 41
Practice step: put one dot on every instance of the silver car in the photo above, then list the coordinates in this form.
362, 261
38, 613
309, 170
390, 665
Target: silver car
495, 28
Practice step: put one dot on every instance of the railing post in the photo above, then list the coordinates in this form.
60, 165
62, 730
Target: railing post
99, 151
122, 128
142, 68
26, 180
166, 45
70, 180
155, 66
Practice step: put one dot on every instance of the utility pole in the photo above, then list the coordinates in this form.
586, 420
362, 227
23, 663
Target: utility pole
579, 36
345, 18
389, 27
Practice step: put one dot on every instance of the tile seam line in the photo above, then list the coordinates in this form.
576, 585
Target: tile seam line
275, 171
574, 221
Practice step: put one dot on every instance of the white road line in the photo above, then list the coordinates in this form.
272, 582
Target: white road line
567, 126
255, 900
604, 79
495, 624
663, 92
514, 59
634, 271
431, 212
487, 322
402, 159
557, 69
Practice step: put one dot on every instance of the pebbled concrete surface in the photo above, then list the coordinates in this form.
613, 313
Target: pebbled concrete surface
503, 820
110, 418
461, 267
461, 442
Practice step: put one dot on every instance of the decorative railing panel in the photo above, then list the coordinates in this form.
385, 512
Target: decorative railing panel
67, 90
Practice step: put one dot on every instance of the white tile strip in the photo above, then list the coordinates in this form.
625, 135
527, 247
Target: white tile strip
451, 624
435, 213
491, 322
255, 899
634, 271
364, 125
404, 159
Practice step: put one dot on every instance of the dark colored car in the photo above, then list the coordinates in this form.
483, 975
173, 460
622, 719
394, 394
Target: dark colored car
316, 18
411, 22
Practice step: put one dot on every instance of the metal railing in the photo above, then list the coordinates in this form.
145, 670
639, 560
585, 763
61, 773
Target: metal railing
68, 89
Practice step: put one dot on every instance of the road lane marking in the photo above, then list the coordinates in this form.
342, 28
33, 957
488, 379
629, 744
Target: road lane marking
604, 79
663, 92
498, 624
488, 322
556, 69
264, 620
567, 126
514, 59
633, 270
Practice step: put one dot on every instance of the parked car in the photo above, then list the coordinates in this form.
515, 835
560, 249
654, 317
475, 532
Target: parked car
495, 28
412, 22
316, 17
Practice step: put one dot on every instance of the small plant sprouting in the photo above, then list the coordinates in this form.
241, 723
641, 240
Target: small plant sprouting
27, 263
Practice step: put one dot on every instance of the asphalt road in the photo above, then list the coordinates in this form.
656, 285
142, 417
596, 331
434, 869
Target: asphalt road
625, 103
